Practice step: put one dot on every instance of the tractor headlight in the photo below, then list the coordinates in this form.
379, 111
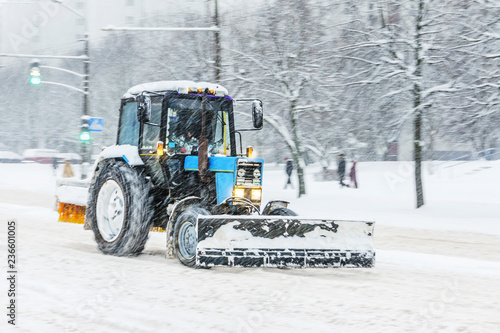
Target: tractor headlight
256, 194
239, 192
253, 194
241, 172
256, 177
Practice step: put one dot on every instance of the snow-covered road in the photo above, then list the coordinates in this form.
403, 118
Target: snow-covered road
438, 269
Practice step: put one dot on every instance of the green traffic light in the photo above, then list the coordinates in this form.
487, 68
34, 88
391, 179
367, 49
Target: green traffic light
35, 80
35, 77
85, 136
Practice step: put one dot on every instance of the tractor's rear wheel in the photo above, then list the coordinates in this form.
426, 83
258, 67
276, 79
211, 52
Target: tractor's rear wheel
185, 237
118, 210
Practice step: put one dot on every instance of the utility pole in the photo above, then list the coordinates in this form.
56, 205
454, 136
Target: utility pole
85, 137
86, 145
217, 43
86, 78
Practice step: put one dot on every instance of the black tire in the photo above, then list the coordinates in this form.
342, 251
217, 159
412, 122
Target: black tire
185, 238
283, 212
118, 211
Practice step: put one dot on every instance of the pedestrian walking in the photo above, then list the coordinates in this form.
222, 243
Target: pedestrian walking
68, 171
289, 170
54, 165
341, 170
352, 175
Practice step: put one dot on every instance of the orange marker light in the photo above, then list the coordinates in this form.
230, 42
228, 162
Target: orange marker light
249, 151
159, 148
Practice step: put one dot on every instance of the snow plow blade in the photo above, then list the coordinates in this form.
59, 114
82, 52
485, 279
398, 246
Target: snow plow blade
283, 241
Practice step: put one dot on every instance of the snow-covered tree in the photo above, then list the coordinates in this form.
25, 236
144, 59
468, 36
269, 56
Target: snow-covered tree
473, 113
405, 50
283, 58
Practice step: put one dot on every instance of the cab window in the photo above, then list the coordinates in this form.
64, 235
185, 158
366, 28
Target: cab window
129, 125
220, 130
151, 130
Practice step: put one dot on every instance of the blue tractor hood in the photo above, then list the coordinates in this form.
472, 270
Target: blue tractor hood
225, 168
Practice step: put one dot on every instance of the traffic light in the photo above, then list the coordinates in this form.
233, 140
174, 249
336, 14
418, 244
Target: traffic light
35, 78
84, 133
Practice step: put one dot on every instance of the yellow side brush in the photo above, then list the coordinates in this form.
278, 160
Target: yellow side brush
71, 213
157, 229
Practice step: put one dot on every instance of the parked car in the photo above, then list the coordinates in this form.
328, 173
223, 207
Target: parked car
10, 157
45, 156
74, 158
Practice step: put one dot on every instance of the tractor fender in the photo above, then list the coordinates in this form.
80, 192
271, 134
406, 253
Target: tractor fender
181, 205
177, 209
128, 153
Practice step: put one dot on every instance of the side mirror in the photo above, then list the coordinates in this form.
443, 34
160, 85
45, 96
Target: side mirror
257, 114
143, 108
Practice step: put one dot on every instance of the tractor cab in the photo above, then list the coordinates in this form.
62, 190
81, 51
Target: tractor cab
185, 136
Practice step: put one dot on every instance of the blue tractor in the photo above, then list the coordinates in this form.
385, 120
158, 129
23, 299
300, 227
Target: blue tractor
176, 168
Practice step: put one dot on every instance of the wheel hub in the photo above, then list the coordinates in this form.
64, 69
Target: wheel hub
187, 240
110, 210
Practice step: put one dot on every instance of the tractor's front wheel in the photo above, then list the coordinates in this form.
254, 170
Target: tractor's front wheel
185, 237
282, 212
118, 210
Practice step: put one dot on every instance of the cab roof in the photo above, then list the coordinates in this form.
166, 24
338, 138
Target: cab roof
162, 86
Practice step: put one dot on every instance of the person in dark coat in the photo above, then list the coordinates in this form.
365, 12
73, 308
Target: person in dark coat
341, 170
54, 165
352, 175
288, 170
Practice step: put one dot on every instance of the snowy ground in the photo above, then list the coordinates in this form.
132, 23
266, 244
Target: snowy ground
438, 268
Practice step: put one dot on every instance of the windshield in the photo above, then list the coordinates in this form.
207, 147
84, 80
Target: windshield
184, 124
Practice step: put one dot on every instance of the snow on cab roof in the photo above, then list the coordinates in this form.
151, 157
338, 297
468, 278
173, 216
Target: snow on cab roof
161, 86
